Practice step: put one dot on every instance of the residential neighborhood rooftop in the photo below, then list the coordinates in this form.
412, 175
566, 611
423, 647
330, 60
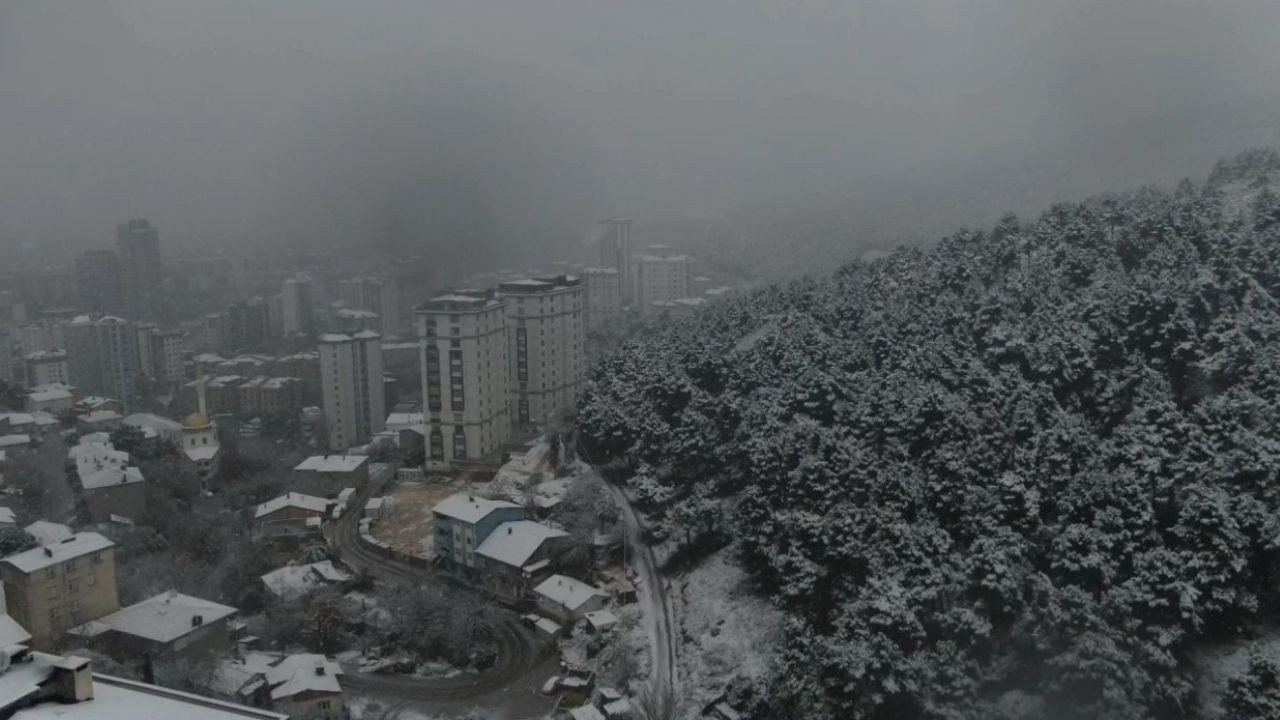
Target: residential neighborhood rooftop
469, 508
332, 463
163, 618
566, 591
292, 499
513, 543
46, 555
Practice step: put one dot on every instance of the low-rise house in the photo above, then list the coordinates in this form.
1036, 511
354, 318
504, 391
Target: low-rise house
98, 421
286, 516
326, 475
56, 399
568, 600
15, 442
306, 687
601, 620
518, 555
39, 686
168, 626
53, 588
15, 423
293, 581
155, 427
108, 483
97, 403
462, 522
7, 518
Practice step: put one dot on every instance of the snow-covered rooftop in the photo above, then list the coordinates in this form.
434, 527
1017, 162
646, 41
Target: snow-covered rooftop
513, 543
50, 395
15, 440
332, 463
163, 618
120, 699
59, 552
18, 419
566, 591
7, 516
469, 508
110, 477
154, 423
46, 532
11, 633
292, 499
292, 581
304, 673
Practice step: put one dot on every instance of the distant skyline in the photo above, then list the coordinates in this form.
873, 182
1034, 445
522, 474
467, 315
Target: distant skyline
484, 131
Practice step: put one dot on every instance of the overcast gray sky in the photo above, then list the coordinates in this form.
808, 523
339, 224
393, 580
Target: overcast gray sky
478, 125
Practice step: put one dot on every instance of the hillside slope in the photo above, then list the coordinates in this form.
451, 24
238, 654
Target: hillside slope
1025, 474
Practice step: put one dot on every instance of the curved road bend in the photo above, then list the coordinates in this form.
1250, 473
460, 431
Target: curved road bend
519, 652
666, 677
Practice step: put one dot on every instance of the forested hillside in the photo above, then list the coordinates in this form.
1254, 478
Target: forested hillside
1029, 472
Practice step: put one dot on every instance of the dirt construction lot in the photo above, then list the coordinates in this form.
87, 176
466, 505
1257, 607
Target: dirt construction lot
407, 524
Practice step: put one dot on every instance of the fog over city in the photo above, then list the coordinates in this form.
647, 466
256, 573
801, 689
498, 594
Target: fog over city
639, 360
460, 128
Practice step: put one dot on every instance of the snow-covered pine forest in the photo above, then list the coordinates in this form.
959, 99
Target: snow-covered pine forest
1033, 471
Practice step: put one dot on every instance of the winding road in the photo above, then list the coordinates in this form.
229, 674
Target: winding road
653, 591
519, 652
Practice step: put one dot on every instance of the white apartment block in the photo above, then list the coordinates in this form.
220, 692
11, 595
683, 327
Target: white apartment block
603, 296
351, 387
296, 306
46, 367
465, 375
545, 326
662, 278
102, 357
375, 295
615, 252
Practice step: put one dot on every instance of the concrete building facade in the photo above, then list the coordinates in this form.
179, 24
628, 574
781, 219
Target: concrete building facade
465, 374
545, 328
102, 357
46, 367
615, 252
53, 588
138, 245
662, 278
603, 291
351, 385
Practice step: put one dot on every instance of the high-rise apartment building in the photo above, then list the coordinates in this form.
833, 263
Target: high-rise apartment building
351, 385
160, 354
250, 323
375, 295
138, 245
545, 331
99, 283
603, 291
465, 375
102, 357
661, 277
615, 252
296, 306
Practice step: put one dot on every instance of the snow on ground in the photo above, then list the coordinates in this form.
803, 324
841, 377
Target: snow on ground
750, 340
617, 656
725, 630
406, 524
1217, 665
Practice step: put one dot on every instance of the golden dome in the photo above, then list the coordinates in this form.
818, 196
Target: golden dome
195, 421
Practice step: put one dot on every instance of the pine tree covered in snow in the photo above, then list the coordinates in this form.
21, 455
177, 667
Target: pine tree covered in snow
1035, 467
